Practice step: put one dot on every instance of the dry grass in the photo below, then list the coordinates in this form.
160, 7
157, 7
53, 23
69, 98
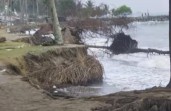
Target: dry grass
54, 65
13, 52
70, 66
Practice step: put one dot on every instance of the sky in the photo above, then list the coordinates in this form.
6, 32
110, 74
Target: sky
139, 6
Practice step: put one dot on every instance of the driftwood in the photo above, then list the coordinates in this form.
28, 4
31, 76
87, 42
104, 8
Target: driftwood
136, 50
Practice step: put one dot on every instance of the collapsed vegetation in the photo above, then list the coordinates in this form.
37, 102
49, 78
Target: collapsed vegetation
63, 66
44, 67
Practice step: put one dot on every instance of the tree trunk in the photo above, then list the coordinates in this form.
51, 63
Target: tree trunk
6, 12
26, 10
22, 10
149, 50
169, 85
56, 26
136, 50
37, 6
34, 8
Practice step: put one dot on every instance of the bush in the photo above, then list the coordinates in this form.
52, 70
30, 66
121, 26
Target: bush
122, 10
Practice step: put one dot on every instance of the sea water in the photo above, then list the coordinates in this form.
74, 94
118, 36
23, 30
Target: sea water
137, 71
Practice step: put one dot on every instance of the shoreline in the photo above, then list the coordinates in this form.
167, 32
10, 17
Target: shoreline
17, 95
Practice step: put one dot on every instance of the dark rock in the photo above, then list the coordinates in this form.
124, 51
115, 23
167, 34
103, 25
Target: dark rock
123, 44
2, 39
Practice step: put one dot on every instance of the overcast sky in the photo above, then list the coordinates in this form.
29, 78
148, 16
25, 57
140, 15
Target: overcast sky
138, 6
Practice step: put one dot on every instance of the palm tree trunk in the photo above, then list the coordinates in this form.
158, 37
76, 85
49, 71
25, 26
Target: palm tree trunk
37, 7
26, 10
22, 10
169, 85
56, 26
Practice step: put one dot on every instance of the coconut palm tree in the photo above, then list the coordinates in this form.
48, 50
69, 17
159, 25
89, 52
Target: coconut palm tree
56, 26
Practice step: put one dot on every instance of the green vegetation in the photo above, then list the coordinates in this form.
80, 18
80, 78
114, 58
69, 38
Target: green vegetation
65, 8
122, 10
13, 53
12, 50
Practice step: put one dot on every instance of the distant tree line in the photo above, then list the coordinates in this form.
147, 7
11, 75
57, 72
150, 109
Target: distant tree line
66, 8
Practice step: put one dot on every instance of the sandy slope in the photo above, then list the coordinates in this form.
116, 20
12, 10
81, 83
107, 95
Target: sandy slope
17, 95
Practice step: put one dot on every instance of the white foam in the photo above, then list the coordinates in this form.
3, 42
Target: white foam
135, 71
126, 72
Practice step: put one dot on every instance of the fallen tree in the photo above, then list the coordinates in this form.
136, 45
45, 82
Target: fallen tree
136, 50
149, 50
124, 44
121, 44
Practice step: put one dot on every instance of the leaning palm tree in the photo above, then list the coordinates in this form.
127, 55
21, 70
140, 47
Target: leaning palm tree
56, 26
169, 85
